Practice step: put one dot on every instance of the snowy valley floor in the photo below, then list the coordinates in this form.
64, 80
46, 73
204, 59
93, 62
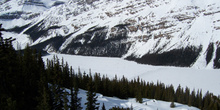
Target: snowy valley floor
204, 79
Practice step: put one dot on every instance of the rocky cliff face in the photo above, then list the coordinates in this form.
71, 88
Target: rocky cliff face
158, 32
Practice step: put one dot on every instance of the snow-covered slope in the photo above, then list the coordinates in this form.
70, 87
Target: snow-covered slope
148, 104
158, 32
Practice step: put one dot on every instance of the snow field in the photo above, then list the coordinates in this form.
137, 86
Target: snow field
148, 104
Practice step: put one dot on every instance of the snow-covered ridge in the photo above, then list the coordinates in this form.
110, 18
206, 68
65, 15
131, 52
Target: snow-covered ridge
129, 29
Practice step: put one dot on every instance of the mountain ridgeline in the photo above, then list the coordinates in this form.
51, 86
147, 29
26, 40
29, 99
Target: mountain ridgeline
145, 31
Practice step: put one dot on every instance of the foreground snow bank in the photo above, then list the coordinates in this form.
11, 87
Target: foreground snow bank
148, 104
205, 79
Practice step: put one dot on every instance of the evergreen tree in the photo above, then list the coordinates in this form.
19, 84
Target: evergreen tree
207, 101
65, 101
97, 81
179, 94
91, 96
31, 78
170, 93
187, 96
44, 102
215, 106
75, 101
115, 89
106, 85
103, 107
57, 92
123, 88
199, 98
172, 105
66, 75
159, 91
44, 92
139, 96
190, 100
85, 80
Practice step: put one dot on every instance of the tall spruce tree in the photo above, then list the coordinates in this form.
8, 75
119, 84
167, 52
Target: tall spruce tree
91, 103
75, 100
123, 84
138, 95
44, 102
97, 81
65, 101
44, 92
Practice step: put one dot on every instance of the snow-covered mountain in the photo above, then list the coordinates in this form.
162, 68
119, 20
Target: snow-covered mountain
158, 32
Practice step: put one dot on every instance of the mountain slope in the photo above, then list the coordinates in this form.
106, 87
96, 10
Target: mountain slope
158, 32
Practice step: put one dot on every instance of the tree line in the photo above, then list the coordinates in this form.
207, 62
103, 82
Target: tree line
27, 83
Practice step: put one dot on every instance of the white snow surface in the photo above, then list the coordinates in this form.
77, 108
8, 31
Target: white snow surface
198, 79
148, 104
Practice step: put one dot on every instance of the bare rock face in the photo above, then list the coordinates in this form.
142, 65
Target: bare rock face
157, 32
